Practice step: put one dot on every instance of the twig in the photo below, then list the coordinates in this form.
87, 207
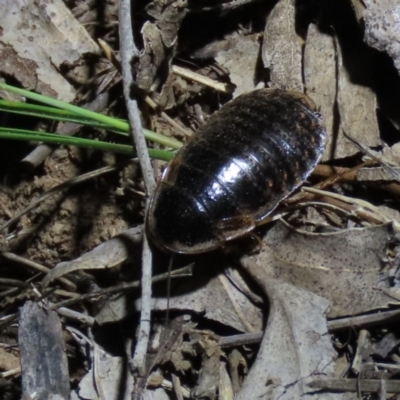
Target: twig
360, 321
350, 175
231, 5
119, 288
225, 284
357, 207
204, 80
39, 154
77, 316
155, 107
351, 385
176, 384
128, 52
364, 150
37, 267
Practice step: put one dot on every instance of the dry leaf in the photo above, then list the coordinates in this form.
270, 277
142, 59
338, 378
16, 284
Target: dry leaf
282, 50
160, 39
240, 59
208, 382
37, 39
320, 79
296, 346
107, 255
343, 267
8, 360
357, 108
225, 390
208, 296
327, 80
107, 379
382, 27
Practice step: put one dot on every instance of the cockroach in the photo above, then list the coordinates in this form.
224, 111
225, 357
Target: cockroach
246, 159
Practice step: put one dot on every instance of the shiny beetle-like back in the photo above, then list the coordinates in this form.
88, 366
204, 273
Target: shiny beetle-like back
241, 163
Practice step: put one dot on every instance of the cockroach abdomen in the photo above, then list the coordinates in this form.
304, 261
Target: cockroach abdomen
236, 169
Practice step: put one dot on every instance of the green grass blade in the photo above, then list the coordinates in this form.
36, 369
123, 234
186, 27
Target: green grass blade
56, 114
50, 138
108, 122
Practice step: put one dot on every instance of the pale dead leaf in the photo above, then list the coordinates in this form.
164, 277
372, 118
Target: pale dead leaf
343, 267
37, 39
296, 346
107, 255
108, 379
282, 49
225, 389
358, 8
391, 155
200, 296
327, 80
208, 382
240, 59
320, 79
8, 360
152, 57
382, 27
357, 108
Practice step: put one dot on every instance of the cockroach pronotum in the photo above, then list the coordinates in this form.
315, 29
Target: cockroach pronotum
236, 169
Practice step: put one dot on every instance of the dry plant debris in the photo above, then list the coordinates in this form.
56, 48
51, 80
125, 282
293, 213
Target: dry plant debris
382, 28
37, 40
306, 308
343, 267
282, 43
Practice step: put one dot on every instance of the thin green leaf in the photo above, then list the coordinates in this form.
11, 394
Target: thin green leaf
50, 138
111, 123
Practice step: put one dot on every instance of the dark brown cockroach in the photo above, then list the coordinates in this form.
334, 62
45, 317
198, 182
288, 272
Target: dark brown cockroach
239, 166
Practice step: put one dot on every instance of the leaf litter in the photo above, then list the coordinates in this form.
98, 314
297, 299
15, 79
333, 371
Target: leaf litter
332, 262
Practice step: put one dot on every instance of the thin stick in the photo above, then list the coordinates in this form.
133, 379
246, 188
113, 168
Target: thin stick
204, 80
36, 266
184, 271
40, 153
364, 150
128, 52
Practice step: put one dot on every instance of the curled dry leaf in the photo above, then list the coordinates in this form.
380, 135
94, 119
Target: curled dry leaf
107, 255
8, 360
37, 39
296, 346
282, 50
343, 267
104, 379
209, 373
160, 39
240, 59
